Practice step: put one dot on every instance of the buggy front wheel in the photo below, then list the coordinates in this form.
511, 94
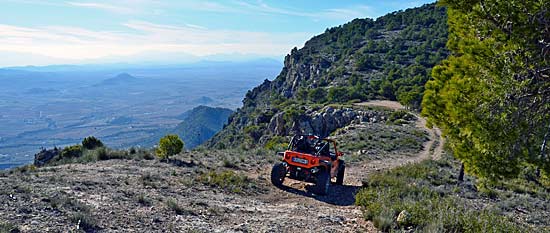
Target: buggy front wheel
278, 174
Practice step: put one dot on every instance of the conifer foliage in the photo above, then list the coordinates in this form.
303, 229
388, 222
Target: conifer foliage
491, 97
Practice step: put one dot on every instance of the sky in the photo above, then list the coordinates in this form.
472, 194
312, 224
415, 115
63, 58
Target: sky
42, 32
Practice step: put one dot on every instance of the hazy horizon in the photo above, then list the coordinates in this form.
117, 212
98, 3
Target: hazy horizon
40, 33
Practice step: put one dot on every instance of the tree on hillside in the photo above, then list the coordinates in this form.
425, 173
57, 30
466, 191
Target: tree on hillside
91, 143
169, 145
492, 96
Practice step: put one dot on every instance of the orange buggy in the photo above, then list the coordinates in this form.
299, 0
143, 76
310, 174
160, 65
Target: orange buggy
312, 159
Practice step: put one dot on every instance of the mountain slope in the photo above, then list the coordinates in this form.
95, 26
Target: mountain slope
200, 124
390, 58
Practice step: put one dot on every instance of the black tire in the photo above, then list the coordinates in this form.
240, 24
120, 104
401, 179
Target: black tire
341, 172
323, 182
278, 174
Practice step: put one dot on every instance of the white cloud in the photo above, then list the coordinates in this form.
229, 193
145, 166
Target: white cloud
103, 6
352, 12
79, 44
125, 7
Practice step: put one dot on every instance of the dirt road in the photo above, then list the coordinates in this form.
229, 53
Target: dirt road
294, 209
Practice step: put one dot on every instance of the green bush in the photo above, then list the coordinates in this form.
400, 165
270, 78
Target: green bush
396, 116
173, 205
338, 95
227, 180
253, 131
144, 200
73, 151
169, 145
8, 227
317, 95
277, 143
91, 143
292, 114
85, 220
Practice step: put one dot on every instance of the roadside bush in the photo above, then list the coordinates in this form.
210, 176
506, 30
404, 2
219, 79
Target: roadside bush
410, 188
91, 143
400, 115
169, 145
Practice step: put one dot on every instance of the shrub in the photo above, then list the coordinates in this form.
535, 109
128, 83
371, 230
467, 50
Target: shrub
253, 131
8, 227
277, 143
317, 95
227, 180
102, 154
338, 95
73, 151
91, 143
400, 115
169, 145
144, 200
85, 221
174, 206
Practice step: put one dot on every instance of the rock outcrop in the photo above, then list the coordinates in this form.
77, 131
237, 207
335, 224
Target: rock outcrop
44, 156
323, 122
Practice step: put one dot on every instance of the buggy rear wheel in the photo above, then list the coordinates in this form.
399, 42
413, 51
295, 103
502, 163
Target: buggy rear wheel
341, 172
323, 182
278, 174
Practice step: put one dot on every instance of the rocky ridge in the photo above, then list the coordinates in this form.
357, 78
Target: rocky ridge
361, 60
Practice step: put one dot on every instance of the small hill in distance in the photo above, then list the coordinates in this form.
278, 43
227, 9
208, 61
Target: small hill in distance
120, 79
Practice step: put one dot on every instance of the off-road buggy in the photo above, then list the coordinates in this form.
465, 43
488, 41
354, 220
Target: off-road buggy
312, 159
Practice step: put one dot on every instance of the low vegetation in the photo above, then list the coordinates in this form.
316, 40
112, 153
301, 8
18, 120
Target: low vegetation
227, 180
371, 141
427, 197
8, 227
173, 205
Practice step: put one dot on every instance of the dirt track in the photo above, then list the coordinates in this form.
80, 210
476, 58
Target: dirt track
336, 212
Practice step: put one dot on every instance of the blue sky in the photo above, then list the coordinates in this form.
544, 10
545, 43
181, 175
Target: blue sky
34, 32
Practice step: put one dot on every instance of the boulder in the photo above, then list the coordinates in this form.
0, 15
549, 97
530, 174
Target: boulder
404, 218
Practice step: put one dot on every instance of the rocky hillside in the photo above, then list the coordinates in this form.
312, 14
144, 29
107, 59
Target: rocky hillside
200, 124
390, 58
